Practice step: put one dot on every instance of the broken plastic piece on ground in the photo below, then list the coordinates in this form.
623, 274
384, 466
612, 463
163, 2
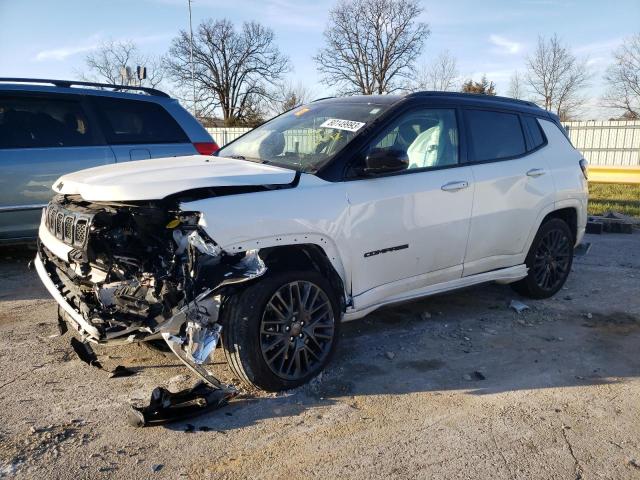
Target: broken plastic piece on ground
582, 249
518, 306
165, 407
85, 353
175, 343
121, 371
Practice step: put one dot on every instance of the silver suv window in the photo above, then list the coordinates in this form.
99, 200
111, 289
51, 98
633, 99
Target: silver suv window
131, 122
41, 122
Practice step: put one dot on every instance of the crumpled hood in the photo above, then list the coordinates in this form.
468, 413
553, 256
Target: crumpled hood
157, 178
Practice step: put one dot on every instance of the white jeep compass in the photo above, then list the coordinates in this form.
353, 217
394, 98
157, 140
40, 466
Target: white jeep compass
320, 215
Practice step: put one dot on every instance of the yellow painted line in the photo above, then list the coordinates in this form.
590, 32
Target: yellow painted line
613, 174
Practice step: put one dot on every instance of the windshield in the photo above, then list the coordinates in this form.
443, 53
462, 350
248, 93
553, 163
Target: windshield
305, 138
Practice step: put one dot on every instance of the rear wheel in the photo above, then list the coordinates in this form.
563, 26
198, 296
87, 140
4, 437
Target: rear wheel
280, 332
549, 261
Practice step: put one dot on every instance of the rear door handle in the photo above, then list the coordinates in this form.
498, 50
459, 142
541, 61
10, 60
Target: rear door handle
536, 172
454, 186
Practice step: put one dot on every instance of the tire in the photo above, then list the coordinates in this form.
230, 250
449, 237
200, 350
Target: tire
549, 261
257, 325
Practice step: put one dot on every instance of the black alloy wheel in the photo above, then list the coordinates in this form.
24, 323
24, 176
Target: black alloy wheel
297, 329
549, 260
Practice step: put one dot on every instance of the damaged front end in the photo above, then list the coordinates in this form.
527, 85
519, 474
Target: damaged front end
139, 271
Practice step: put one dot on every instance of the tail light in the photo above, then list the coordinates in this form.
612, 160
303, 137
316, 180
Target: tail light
206, 148
584, 166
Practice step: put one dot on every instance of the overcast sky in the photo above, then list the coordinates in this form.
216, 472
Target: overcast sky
47, 38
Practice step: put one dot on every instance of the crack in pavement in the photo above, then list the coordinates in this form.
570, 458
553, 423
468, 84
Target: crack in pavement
577, 467
499, 450
24, 374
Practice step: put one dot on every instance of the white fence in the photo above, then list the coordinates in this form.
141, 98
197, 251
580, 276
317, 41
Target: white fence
607, 143
610, 143
222, 136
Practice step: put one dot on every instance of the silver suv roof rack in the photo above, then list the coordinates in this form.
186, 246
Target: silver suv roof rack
69, 83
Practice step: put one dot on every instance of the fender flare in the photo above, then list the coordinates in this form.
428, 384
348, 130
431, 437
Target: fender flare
325, 243
550, 208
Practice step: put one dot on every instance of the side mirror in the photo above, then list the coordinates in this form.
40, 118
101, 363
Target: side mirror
382, 160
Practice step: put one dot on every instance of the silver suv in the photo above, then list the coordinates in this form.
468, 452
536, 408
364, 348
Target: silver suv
49, 128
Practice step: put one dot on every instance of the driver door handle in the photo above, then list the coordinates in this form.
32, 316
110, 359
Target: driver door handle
454, 186
536, 172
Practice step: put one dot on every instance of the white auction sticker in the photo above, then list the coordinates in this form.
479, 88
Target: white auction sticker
348, 125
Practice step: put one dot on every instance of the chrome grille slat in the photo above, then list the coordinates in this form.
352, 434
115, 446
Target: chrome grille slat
69, 220
59, 225
80, 234
70, 227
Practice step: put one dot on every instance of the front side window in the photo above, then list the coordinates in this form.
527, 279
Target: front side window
428, 137
494, 135
137, 122
40, 122
305, 138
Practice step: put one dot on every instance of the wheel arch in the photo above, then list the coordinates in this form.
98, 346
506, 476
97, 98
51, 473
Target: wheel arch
306, 256
567, 214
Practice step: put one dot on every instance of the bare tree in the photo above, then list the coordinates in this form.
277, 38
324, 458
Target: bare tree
556, 77
516, 88
439, 75
287, 96
483, 87
233, 69
371, 45
623, 79
105, 64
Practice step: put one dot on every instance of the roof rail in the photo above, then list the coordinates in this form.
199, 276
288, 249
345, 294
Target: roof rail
69, 83
321, 98
474, 95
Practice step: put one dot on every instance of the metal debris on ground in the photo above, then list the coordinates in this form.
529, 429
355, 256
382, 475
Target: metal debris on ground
85, 353
165, 406
121, 371
582, 249
518, 306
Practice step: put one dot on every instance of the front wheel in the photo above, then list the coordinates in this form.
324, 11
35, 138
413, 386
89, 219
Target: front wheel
281, 331
549, 261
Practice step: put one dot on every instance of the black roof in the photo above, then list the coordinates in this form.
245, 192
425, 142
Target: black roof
376, 99
457, 97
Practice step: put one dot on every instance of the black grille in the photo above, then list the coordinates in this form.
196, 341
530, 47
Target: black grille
70, 227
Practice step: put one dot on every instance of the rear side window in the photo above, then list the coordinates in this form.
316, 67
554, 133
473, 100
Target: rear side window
43, 122
494, 135
535, 132
131, 122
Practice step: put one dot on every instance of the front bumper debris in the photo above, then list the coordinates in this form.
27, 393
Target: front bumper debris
165, 407
192, 332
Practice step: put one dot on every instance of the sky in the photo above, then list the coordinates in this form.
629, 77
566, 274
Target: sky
50, 38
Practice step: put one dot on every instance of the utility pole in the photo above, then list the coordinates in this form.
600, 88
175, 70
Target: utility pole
193, 74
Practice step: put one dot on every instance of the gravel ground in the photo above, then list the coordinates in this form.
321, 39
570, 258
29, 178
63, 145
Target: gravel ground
455, 386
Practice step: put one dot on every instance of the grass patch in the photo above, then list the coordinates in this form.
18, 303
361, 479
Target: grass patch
621, 198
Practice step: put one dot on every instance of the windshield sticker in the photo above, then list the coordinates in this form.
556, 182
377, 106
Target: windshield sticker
302, 111
374, 111
338, 124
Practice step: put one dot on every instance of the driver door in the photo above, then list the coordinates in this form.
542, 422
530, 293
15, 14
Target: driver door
409, 229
